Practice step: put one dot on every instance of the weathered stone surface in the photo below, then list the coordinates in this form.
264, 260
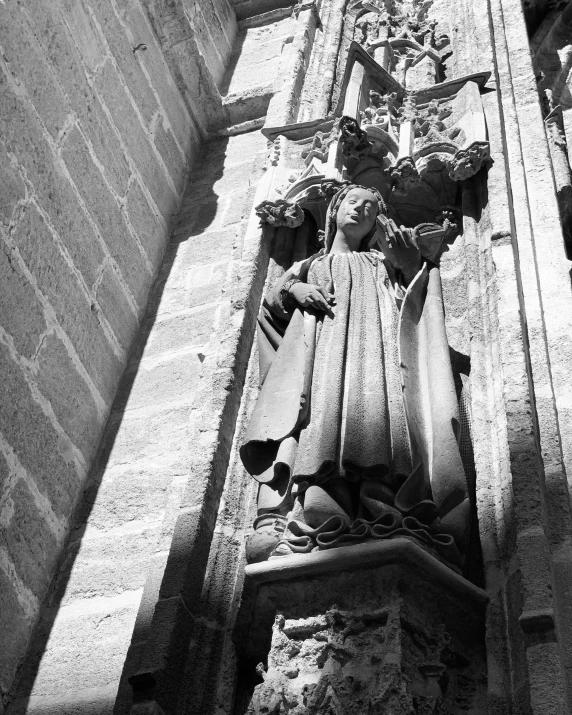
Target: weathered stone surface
47, 456
58, 283
21, 314
28, 541
70, 398
16, 627
112, 302
136, 140
23, 136
71, 75
25, 57
107, 215
121, 45
181, 331
152, 60
12, 189
410, 638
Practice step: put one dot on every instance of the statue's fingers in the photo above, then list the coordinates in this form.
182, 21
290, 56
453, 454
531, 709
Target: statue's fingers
327, 296
402, 237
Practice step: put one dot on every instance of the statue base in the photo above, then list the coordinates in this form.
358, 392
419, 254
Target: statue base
380, 628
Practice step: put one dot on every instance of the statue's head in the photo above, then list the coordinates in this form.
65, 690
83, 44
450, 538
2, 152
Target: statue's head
354, 210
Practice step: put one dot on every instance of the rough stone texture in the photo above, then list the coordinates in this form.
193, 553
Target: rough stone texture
143, 469
400, 642
90, 180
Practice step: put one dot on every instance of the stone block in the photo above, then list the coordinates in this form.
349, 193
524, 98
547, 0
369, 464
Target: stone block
28, 539
136, 140
121, 43
149, 228
59, 284
79, 701
227, 557
245, 145
165, 652
107, 215
236, 177
188, 557
112, 302
27, 62
174, 161
66, 61
181, 331
15, 626
238, 207
160, 382
227, 17
191, 288
213, 18
84, 30
126, 495
106, 624
12, 187
42, 452
204, 34
106, 564
62, 385
201, 214
157, 439
152, 59
4, 475
22, 134
21, 315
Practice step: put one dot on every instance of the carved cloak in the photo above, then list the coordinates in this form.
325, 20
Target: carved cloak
436, 486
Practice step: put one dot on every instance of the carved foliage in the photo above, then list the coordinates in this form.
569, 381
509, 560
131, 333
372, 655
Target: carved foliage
280, 213
352, 662
467, 162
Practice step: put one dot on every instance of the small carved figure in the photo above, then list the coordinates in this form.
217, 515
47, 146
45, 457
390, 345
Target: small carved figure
381, 110
354, 141
353, 433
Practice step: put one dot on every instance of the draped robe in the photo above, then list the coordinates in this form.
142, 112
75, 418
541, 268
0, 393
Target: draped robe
364, 397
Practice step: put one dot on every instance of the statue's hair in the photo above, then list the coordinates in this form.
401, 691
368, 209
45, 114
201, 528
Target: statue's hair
335, 204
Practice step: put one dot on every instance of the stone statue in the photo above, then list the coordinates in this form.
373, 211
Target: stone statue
354, 433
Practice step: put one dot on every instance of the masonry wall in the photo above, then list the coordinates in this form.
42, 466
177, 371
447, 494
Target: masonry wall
96, 141
152, 109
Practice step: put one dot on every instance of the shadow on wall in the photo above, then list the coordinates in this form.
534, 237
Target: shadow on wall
95, 621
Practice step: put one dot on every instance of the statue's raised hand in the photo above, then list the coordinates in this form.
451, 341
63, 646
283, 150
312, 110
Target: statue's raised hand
400, 246
312, 296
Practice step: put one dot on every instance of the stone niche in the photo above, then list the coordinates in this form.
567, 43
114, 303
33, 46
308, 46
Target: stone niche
374, 629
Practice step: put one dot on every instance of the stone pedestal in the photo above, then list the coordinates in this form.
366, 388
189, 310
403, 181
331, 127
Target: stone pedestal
374, 629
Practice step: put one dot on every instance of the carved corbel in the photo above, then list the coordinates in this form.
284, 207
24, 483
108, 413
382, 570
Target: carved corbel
468, 161
280, 213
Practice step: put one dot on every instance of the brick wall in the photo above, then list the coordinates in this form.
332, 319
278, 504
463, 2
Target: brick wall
95, 147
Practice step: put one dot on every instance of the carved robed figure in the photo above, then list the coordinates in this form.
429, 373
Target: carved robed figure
354, 435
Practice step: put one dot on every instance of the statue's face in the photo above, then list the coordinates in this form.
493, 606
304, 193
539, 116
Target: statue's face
357, 213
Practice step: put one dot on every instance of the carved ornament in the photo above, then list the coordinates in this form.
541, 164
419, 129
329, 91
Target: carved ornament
467, 162
280, 213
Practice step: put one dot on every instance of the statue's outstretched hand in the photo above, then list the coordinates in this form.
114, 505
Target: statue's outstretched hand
400, 247
312, 296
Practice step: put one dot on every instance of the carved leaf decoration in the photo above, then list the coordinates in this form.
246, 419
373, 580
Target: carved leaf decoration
280, 213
